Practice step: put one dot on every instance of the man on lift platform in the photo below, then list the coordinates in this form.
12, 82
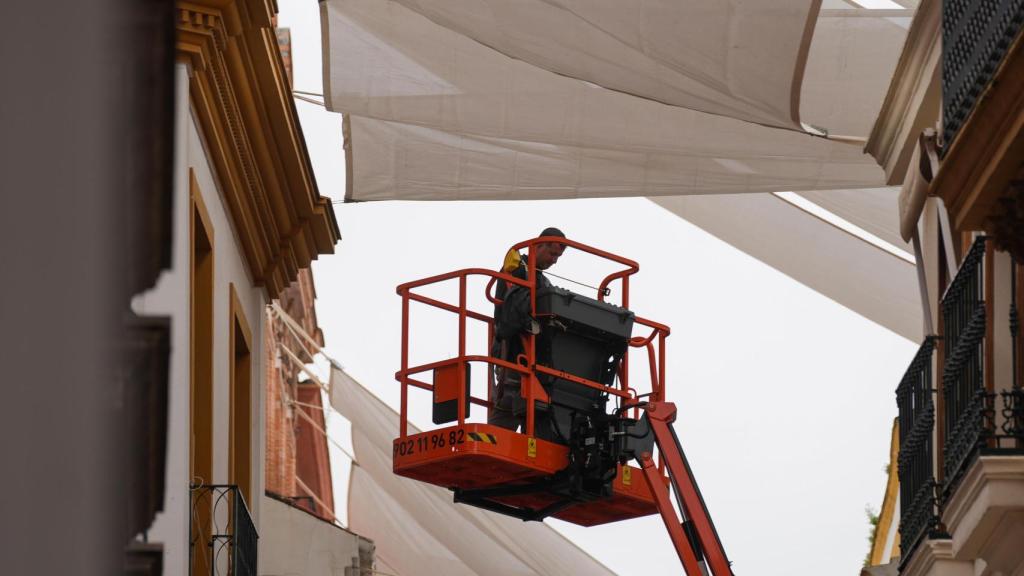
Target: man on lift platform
575, 334
512, 319
574, 464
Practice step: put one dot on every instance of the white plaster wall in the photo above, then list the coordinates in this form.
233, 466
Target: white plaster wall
229, 268
295, 543
930, 238
890, 550
170, 297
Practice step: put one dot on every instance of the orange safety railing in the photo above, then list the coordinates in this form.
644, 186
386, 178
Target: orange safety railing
532, 390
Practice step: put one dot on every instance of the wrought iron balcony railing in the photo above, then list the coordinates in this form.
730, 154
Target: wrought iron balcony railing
919, 514
1013, 399
1013, 419
973, 424
963, 375
222, 539
975, 37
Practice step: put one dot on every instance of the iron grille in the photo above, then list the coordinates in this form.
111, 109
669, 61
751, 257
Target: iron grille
963, 378
1013, 399
230, 543
919, 516
975, 37
1015, 343
971, 422
1013, 417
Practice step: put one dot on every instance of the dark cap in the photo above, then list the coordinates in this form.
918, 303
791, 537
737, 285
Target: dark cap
552, 232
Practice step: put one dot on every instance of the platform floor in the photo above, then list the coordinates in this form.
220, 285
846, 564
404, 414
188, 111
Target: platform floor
476, 456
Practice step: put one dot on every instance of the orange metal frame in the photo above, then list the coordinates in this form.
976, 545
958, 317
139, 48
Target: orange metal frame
533, 390
661, 414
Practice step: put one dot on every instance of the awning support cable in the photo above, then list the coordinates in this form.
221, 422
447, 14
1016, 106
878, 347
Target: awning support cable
311, 354
302, 366
606, 291
310, 100
327, 435
317, 499
301, 333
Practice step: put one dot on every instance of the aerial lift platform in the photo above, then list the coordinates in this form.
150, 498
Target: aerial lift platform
572, 459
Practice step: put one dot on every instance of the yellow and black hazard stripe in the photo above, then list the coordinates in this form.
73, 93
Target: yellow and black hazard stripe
480, 437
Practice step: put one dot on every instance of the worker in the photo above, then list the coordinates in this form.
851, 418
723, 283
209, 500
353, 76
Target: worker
512, 320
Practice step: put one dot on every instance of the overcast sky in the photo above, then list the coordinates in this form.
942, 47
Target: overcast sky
786, 399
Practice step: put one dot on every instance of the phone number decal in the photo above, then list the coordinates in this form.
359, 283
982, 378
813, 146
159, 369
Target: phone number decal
429, 442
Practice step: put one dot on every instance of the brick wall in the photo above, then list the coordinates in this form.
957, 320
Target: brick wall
296, 450
314, 468
280, 418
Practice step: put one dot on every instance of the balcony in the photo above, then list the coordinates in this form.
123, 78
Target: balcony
961, 460
919, 513
978, 420
982, 486
963, 386
976, 35
222, 538
982, 101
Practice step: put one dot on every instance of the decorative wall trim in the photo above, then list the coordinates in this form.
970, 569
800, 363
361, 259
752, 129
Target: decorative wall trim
992, 488
242, 389
202, 272
935, 557
242, 102
914, 97
887, 519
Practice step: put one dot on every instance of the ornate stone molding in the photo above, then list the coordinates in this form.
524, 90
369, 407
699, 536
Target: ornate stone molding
242, 103
992, 489
935, 558
913, 100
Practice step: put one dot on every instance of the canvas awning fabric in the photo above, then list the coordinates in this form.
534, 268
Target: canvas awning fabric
416, 528
738, 59
871, 209
872, 282
473, 100
434, 114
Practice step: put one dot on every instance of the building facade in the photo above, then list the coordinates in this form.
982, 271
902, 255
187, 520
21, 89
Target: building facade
297, 460
885, 537
246, 218
951, 133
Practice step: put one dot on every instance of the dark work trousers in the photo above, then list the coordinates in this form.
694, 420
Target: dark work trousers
509, 409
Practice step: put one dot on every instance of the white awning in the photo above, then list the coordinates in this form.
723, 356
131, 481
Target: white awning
415, 527
435, 114
490, 99
738, 59
870, 281
875, 210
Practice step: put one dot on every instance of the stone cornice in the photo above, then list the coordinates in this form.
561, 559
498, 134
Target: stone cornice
936, 557
992, 484
913, 100
242, 103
